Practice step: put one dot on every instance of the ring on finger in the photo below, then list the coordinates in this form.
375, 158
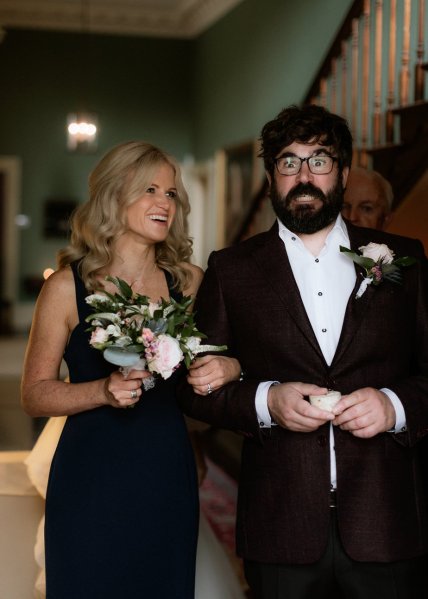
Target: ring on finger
209, 388
133, 394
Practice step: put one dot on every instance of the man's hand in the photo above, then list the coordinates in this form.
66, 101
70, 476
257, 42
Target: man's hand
289, 408
365, 413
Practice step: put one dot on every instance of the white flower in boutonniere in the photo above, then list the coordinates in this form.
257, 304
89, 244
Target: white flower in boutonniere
378, 262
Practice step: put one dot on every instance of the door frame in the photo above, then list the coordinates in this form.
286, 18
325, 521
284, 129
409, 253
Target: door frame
11, 168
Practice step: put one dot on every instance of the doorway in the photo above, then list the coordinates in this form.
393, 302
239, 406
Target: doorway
10, 185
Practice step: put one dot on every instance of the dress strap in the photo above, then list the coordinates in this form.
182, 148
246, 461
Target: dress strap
176, 295
81, 292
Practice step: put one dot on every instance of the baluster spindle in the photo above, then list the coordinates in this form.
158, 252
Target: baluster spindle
354, 71
419, 69
323, 91
391, 71
365, 74
344, 89
405, 56
377, 73
333, 85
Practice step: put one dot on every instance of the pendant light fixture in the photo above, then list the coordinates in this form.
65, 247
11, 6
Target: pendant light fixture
82, 126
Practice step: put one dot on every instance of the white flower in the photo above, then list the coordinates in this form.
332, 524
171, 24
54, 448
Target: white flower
193, 343
96, 297
377, 251
168, 311
165, 356
122, 340
113, 330
152, 307
99, 336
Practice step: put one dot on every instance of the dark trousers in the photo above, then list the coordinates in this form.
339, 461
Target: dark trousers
336, 576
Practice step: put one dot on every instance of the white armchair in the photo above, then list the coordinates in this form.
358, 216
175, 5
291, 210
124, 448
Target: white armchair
21, 510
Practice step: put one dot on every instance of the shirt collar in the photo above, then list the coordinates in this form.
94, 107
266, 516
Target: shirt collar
338, 233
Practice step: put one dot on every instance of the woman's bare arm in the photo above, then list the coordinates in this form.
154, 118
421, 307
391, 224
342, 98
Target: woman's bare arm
42, 393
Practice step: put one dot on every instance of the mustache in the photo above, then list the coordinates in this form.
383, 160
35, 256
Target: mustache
305, 189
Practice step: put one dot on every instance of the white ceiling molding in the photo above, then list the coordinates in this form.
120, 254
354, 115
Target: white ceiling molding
154, 18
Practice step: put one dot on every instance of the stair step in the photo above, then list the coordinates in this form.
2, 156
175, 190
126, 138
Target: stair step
419, 107
384, 149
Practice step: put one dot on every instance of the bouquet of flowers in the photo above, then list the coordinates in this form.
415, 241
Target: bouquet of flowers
135, 333
379, 264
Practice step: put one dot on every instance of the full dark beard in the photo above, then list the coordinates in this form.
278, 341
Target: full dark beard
304, 218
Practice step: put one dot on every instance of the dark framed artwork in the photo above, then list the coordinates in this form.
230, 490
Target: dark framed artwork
57, 213
241, 172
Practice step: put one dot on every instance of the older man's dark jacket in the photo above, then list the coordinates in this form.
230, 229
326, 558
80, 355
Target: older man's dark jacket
249, 300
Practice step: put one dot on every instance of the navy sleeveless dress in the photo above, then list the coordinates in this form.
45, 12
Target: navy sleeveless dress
122, 499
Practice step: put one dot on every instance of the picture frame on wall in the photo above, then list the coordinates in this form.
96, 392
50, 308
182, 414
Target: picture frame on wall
240, 175
57, 213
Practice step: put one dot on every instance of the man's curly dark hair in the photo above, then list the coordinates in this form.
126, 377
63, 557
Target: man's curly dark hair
309, 123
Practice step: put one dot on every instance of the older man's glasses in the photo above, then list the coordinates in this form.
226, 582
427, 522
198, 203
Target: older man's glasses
321, 164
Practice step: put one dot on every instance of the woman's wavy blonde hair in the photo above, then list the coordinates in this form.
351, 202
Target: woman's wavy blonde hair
118, 180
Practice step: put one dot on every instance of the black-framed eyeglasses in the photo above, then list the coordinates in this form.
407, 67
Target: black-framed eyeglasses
320, 164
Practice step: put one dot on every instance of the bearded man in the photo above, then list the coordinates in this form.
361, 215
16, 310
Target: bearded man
330, 502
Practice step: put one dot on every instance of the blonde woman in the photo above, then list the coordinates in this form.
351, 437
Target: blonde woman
122, 497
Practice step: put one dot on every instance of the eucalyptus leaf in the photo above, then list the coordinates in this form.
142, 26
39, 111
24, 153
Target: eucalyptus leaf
120, 356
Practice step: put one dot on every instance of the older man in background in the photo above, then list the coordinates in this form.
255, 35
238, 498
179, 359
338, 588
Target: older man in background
368, 199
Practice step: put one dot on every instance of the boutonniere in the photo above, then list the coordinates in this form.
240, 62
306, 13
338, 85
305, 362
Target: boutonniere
379, 265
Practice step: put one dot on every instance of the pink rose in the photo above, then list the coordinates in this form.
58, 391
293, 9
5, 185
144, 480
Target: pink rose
166, 356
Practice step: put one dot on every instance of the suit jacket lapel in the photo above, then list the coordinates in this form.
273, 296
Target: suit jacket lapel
271, 258
356, 308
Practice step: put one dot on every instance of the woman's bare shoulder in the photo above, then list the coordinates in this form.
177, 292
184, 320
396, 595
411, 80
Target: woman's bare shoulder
58, 289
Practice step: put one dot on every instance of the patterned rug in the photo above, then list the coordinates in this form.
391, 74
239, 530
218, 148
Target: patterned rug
218, 495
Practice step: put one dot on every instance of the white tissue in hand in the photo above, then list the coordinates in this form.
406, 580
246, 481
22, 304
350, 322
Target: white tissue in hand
327, 401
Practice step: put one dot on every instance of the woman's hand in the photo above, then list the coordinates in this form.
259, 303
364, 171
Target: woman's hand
209, 373
124, 392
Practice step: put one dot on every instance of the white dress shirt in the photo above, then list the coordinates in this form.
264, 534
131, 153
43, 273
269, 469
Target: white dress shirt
325, 283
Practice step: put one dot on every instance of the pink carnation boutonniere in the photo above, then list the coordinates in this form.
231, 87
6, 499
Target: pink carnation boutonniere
379, 264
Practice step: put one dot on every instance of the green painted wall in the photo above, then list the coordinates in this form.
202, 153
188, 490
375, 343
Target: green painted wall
138, 87
258, 59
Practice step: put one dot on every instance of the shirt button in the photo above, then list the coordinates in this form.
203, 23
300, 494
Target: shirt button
293, 239
324, 330
319, 293
316, 259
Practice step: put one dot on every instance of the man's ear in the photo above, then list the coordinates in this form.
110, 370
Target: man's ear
269, 178
386, 220
345, 173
